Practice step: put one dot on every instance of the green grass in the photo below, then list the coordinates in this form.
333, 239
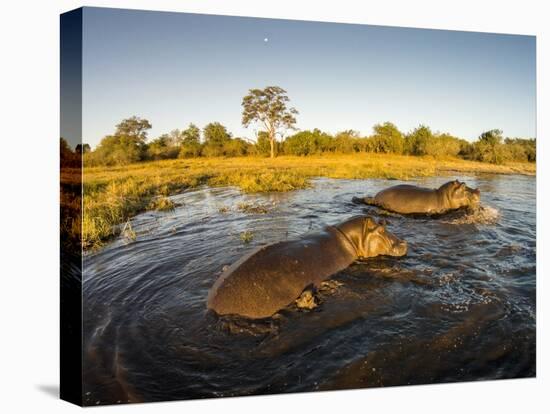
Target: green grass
247, 237
113, 195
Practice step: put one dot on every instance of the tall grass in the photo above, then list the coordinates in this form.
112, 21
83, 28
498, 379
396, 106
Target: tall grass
112, 195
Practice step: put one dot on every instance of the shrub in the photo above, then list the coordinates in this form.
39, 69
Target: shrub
387, 139
444, 145
235, 148
162, 148
307, 143
190, 150
345, 142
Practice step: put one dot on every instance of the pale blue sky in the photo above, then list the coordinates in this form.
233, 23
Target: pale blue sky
177, 68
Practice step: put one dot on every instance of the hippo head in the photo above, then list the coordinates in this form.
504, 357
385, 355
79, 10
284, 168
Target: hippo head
372, 239
457, 194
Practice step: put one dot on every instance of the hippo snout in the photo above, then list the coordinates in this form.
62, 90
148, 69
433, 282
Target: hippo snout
475, 196
400, 248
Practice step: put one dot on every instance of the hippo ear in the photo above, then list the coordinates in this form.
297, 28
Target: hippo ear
370, 224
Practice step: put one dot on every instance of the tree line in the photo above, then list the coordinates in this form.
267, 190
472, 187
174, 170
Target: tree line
129, 144
268, 109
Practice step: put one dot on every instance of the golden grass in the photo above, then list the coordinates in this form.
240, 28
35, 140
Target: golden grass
161, 203
112, 195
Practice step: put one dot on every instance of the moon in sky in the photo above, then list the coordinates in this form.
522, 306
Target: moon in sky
266, 39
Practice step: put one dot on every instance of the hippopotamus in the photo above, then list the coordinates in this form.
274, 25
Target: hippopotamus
271, 277
410, 199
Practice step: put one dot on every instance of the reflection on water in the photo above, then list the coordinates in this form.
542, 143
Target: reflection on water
460, 306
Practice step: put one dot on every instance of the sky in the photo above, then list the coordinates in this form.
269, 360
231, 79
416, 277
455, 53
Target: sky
177, 68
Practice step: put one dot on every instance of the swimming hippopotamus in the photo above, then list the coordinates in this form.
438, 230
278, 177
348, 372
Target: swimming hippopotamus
409, 199
273, 276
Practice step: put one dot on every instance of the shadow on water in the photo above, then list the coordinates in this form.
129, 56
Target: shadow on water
460, 306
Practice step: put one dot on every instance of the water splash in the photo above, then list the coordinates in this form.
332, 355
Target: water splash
481, 215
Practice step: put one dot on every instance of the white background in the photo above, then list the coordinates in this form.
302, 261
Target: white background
29, 142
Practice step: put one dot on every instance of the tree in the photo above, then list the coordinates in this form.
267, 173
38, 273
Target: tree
192, 135
117, 150
529, 147
82, 148
215, 134
164, 147
215, 137
191, 142
235, 147
418, 141
387, 138
125, 146
134, 127
68, 158
492, 137
345, 141
301, 143
489, 146
65, 149
308, 142
262, 143
445, 145
268, 107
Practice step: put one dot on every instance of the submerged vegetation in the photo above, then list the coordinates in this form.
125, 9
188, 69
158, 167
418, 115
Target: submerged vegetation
247, 236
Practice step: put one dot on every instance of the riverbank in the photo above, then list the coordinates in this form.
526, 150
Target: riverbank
112, 195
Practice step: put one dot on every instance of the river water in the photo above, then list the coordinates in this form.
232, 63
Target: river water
459, 307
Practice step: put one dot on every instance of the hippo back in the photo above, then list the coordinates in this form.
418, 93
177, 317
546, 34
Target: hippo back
409, 199
271, 277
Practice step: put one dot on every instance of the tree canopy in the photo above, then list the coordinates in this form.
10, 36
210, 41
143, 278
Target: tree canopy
387, 138
268, 107
134, 127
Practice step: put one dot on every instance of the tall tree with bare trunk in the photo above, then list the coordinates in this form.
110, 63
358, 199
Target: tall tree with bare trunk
268, 107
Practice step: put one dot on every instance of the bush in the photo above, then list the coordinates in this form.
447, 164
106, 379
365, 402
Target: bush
211, 150
162, 148
418, 141
307, 143
345, 142
116, 150
235, 148
387, 139
444, 145
528, 148
190, 150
